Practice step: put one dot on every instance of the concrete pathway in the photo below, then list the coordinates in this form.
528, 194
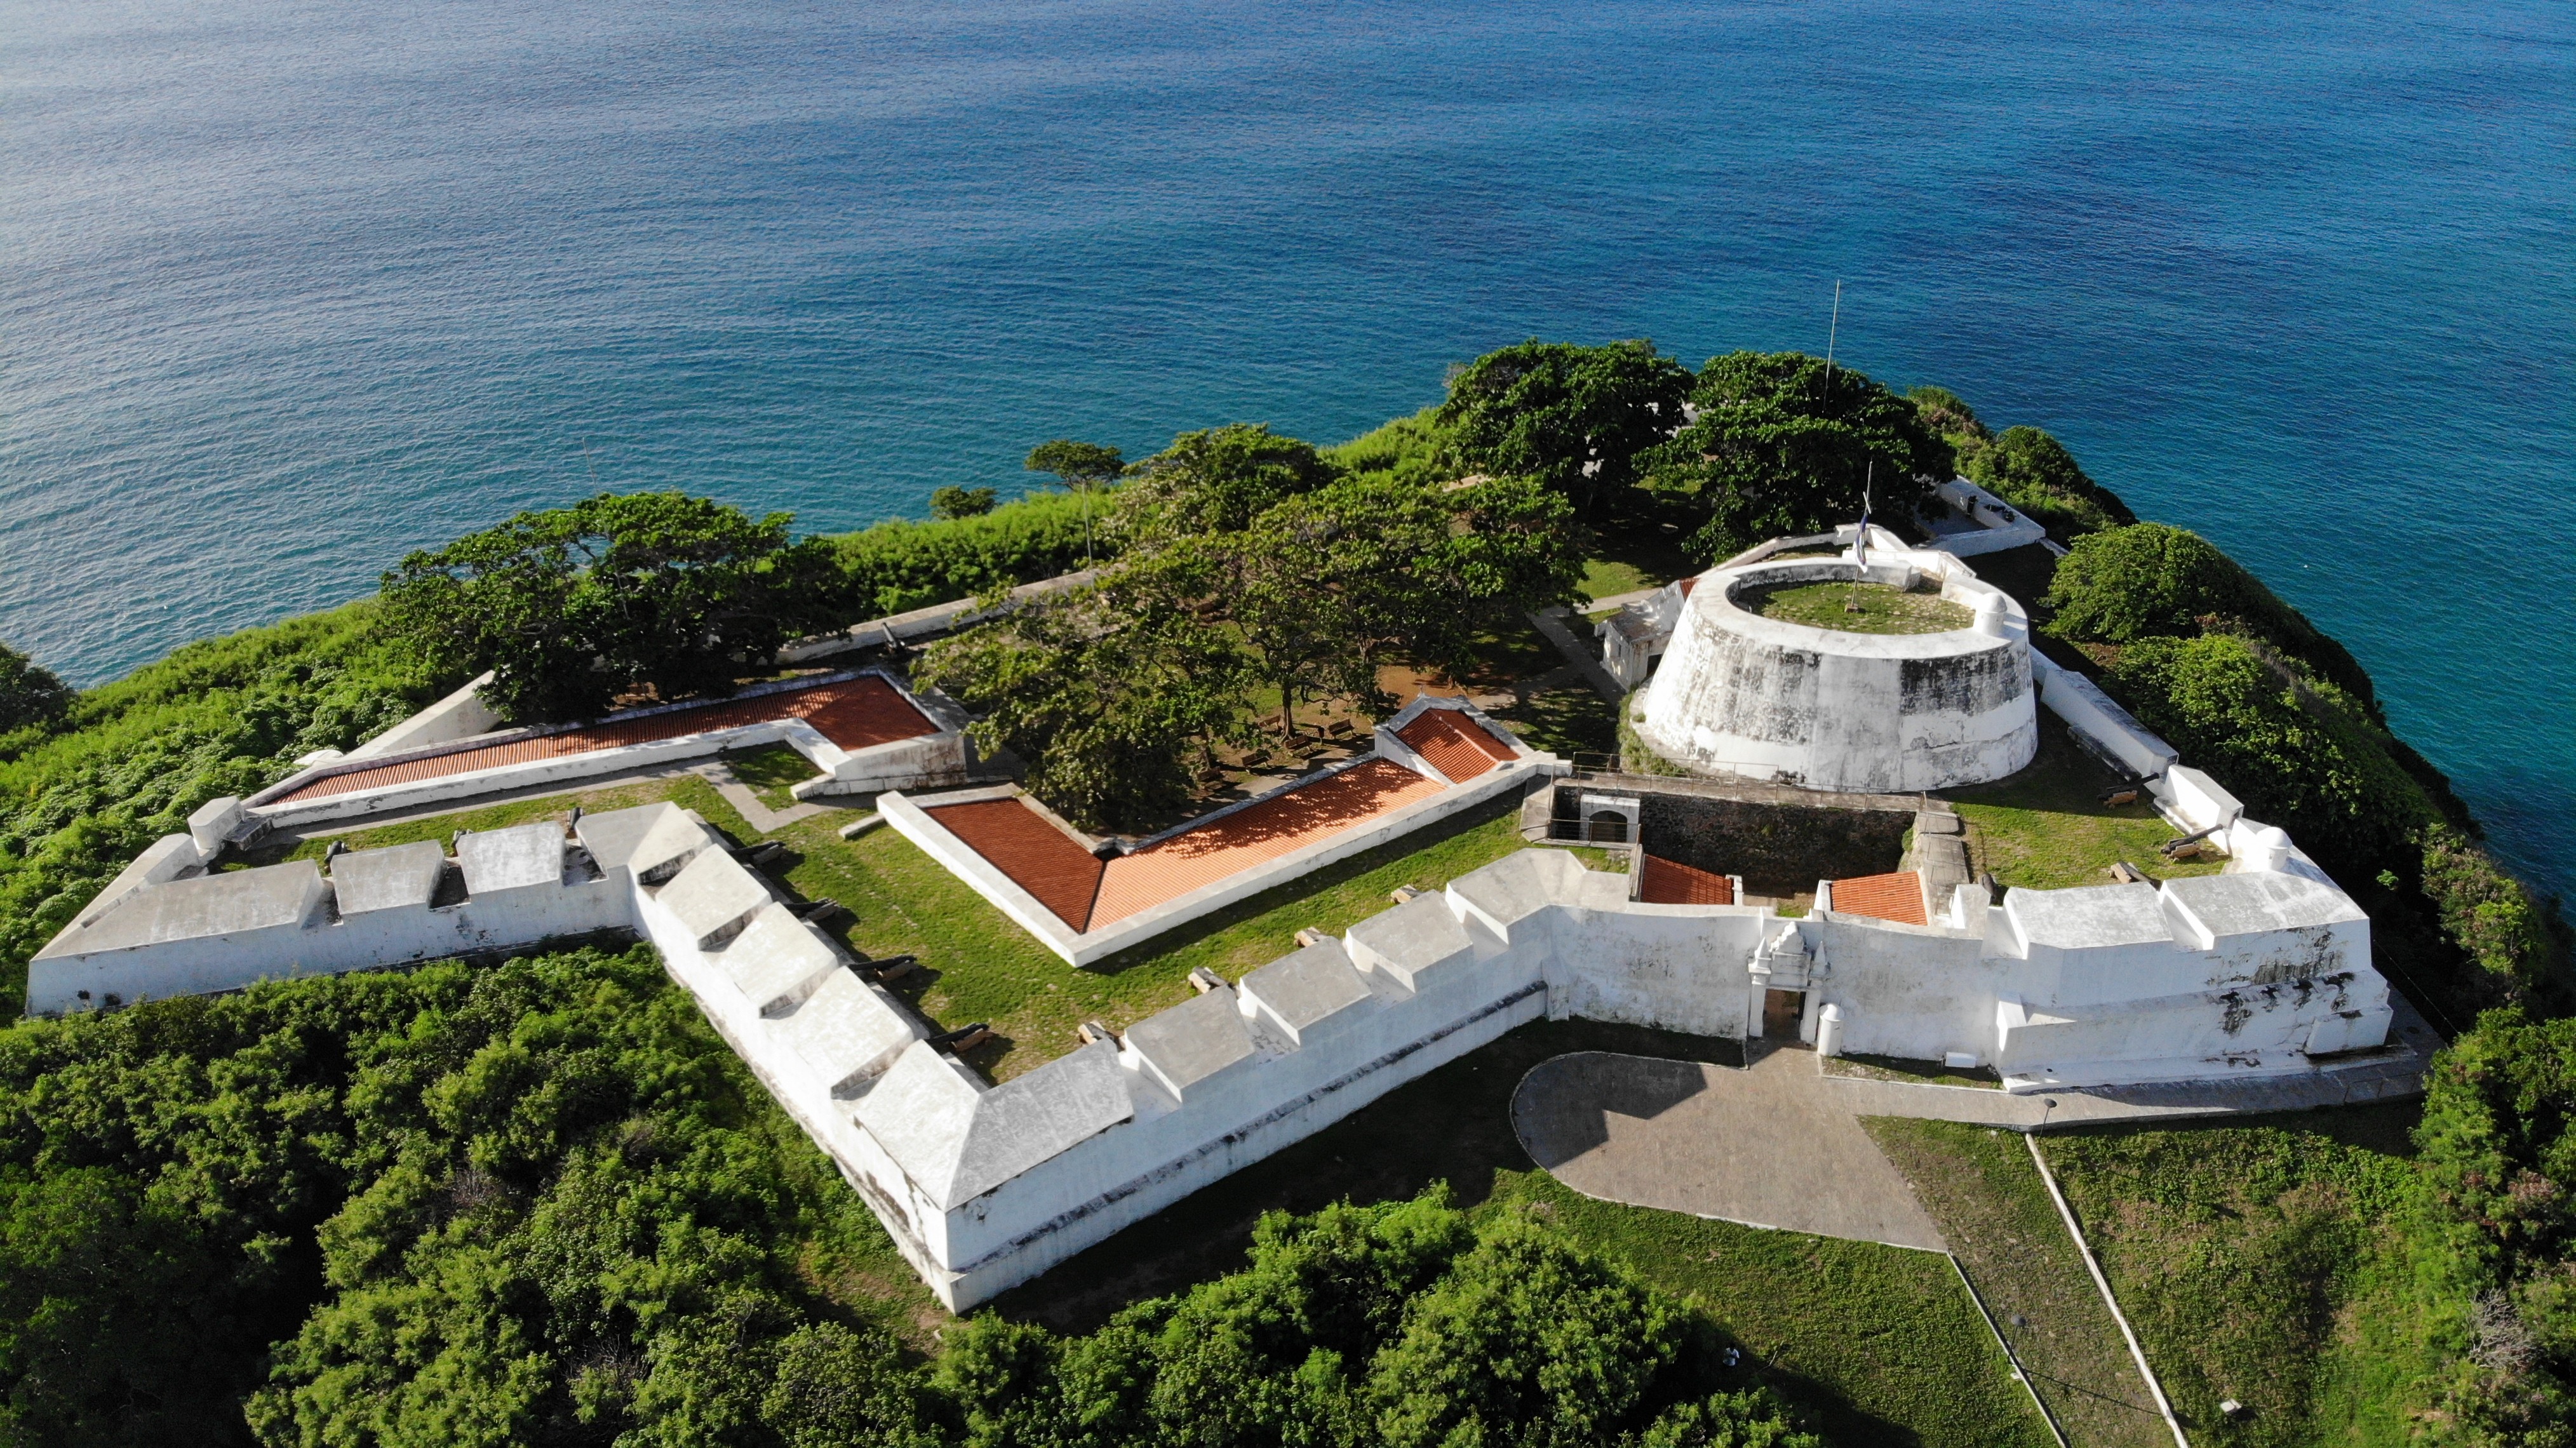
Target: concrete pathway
759, 816
1551, 622
1759, 1146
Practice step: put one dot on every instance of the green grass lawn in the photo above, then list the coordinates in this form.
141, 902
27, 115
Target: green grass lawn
1872, 608
2046, 829
1609, 578
1995, 1212
2260, 1260
1875, 1345
772, 773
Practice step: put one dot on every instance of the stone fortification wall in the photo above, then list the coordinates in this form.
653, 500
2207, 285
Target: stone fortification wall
1780, 840
1766, 699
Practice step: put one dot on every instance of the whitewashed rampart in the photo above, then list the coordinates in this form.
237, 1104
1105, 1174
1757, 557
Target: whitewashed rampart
1768, 699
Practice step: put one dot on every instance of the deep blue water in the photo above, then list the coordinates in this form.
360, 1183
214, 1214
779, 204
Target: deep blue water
289, 288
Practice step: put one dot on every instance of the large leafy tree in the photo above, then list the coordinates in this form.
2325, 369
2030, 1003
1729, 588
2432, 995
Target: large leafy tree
1577, 418
1781, 443
1326, 587
1106, 692
30, 694
1084, 467
1218, 481
571, 606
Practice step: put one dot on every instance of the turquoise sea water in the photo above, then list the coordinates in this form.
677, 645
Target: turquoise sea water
288, 288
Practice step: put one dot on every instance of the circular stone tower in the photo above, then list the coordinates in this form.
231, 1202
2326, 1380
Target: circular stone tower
1825, 707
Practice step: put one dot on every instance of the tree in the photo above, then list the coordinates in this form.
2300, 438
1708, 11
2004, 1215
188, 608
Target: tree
950, 503
1577, 418
1781, 446
30, 694
570, 606
1084, 467
1528, 1340
1218, 481
1104, 691
1328, 586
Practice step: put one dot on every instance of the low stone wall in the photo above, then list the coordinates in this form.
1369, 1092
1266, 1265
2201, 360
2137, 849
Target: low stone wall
1782, 841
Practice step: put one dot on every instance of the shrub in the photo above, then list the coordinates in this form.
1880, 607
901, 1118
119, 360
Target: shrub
898, 566
2284, 746
2035, 473
2492, 916
2151, 581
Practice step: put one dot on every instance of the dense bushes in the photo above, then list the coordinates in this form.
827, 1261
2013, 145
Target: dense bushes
2281, 743
224, 716
894, 567
540, 1202
2499, 1163
1397, 1324
531, 1202
2154, 581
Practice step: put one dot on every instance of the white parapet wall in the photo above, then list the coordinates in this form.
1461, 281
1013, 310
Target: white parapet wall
2262, 970
192, 932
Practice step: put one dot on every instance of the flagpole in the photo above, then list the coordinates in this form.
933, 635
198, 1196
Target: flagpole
1832, 330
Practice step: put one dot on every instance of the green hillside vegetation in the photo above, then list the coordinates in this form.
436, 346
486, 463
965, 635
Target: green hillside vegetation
2025, 467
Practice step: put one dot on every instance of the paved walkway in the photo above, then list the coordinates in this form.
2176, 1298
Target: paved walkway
1760, 1146
761, 818
1551, 622
1779, 1144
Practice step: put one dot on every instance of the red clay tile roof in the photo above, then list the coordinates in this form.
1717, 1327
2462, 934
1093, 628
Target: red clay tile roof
853, 713
1037, 856
1454, 744
1669, 882
1247, 837
1897, 897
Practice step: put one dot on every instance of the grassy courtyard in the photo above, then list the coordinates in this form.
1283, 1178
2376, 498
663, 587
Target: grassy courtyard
2261, 1260
2047, 829
1872, 608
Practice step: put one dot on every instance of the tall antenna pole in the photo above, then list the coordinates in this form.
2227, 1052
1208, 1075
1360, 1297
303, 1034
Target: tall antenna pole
1832, 330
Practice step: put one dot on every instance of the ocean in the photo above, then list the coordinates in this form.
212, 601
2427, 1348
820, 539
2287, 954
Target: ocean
287, 288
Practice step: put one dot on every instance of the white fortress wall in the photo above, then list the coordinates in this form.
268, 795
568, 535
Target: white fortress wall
198, 933
1828, 709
